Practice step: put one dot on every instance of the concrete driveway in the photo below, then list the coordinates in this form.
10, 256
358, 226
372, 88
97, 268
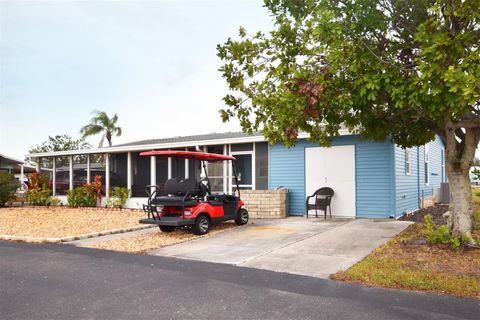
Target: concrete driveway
311, 247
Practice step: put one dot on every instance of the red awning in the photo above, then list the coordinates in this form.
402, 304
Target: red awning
189, 155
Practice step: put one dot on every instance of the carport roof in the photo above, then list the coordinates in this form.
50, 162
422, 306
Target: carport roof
8, 162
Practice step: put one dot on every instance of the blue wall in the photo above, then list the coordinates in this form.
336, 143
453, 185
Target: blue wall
408, 188
375, 181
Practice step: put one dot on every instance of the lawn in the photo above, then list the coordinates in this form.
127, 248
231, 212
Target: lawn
409, 262
56, 222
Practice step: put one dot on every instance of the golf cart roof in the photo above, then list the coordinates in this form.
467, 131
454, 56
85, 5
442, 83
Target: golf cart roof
189, 155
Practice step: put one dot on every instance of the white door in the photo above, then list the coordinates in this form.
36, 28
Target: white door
332, 167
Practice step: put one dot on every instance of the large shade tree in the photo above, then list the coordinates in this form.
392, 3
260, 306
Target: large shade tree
102, 123
398, 69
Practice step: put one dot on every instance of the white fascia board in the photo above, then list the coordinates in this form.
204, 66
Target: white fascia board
171, 145
20, 162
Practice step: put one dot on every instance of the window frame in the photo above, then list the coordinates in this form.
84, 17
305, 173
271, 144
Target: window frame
408, 162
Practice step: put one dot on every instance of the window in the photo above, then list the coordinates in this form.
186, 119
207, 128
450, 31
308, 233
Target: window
407, 162
427, 164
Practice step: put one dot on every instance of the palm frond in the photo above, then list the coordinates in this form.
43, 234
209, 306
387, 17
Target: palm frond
90, 130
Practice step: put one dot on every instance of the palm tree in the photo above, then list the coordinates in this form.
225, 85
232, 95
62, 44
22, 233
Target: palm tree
101, 122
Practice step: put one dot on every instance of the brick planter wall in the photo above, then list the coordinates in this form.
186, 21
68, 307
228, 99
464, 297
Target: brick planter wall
266, 203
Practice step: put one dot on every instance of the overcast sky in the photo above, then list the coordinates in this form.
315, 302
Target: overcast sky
153, 63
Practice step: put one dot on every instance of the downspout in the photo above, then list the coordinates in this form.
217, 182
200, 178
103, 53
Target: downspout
418, 176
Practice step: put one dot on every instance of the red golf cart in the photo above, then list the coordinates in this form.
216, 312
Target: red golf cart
189, 203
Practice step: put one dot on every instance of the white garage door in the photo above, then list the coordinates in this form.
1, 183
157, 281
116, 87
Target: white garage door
332, 167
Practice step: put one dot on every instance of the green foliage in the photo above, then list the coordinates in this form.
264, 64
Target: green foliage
54, 201
82, 197
40, 196
59, 143
440, 234
8, 185
118, 197
399, 69
101, 122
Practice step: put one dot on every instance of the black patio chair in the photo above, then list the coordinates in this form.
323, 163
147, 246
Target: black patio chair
323, 198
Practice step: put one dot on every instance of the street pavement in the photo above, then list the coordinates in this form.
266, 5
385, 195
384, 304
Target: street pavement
68, 282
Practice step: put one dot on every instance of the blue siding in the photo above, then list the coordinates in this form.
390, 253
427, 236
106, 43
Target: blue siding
374, 175
406, 186
409, 188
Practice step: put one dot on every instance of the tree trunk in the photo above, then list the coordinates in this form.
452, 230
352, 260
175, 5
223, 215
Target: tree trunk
460, 202
459, 156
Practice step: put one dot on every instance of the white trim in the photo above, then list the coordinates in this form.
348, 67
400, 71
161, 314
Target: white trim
11, 159
254, 185
107, 175
153, 170
229, 174
241, 152
54, 176
409, 162
426, 164
89, 176
187, 173
182, 144
251, 153
70, 171
225, 168
129, 174
169, 168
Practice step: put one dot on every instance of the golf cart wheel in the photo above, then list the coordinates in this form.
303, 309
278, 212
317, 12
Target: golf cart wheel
242, 217
167, 228
201, 225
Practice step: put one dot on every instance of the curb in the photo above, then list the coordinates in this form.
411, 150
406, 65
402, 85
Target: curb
71, 238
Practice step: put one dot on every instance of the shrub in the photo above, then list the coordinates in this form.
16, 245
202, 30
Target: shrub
82, 196
38, 193
441, 234
39, 196
118, 197
8, 185
54, 201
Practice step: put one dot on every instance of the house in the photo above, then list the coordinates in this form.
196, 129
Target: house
370, 179
16, 167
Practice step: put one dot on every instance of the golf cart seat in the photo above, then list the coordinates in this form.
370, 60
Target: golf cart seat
181, 193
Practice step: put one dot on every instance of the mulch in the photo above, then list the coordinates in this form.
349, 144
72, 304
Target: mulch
436, 211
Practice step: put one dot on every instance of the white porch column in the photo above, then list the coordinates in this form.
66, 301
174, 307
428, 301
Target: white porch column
129, 174
70, 163
107, 175
21, 173
37, 165
153, 171
253, 169
89, 178
230, 173
225, 168
187, 174
169, 168
54, 176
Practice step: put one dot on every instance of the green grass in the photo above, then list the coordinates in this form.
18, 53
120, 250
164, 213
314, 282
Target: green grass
407, 262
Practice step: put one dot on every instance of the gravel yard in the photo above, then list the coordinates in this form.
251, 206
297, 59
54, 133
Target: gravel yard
150, 241
63, 222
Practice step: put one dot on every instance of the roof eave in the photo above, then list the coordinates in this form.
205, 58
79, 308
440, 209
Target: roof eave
182, 144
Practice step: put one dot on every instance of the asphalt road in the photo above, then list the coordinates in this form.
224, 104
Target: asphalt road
67, 282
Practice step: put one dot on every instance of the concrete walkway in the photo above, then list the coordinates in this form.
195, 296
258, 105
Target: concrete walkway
311, 247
